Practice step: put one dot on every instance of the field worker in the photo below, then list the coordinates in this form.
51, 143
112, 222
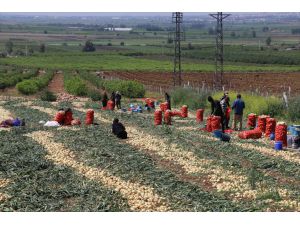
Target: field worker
168, 99
118, 100
118, 129
238, 106
226, 110
216, 110
113, 97
104, 99
226, 94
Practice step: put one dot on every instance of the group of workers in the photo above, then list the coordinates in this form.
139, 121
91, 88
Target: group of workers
222, 109
115, 98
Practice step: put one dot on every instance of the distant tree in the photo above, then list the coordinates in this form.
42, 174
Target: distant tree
155, 33
65, 44
122, 25
211, 31
295, 31
19, 52
254, 34
190, 46
170, 41
45, 32
9, 46
42, 48
30, 51
232, 34
265, 29
122, 43
89, 46
109, 44
268, 41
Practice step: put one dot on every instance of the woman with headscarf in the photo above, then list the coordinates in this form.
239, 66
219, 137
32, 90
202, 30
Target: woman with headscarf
118, 129
104, 99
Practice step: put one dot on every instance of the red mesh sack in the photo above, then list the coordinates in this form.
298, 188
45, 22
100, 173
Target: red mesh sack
75, 122
89, 119
167, 117
184, 111
110, 105
164, 106
251, 122
227, 113
270, 126
261, 123
250, 134
281, 133
216, 123
149, 102
68, 118
157, 117
199, 115
208, 124
60, 117
176, 113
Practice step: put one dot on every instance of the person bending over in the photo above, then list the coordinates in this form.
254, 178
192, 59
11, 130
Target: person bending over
216, 110
118, 129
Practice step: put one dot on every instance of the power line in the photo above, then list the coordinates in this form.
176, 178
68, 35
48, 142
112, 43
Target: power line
219, 58
177, 18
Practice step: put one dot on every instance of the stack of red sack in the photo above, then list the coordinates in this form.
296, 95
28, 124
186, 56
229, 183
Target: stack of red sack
89, 117
270, 126
281, 133
199, 115
157, 117
251, 122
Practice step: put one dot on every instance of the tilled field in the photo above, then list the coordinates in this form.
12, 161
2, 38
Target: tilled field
163, 168
258, 82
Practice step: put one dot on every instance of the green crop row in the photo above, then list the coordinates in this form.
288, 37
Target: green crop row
75, 85
34, 85
110, 62
131, 89
11, 79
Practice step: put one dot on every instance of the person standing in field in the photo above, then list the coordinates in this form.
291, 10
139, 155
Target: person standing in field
226, 110
216, 110
104, 99
238, 106
113, 97
168, 99
118, 100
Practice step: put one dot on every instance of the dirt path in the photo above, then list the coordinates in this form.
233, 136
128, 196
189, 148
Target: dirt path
56, 85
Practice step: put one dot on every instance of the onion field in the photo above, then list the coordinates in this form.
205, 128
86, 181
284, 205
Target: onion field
158, 168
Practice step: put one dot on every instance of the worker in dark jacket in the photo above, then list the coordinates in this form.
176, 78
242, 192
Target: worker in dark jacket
168, 99
104, 99
216, 110
118, 129
226, 110
118, 100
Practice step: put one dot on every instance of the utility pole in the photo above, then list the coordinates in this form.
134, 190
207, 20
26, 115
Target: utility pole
178, 37
218, 76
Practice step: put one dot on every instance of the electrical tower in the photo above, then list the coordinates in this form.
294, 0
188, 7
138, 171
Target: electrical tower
218, 76
178, 37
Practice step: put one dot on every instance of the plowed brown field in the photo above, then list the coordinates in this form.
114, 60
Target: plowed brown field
261, 82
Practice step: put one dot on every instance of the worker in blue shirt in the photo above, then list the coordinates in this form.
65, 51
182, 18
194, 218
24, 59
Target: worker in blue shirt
238, 106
